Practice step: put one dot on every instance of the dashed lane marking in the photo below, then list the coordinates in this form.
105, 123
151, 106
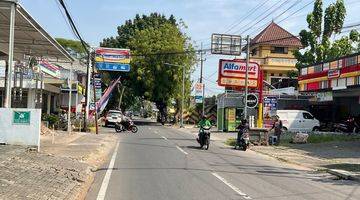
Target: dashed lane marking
237, 190
180, 149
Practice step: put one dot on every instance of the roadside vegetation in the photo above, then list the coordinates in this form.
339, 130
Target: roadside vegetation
313, 138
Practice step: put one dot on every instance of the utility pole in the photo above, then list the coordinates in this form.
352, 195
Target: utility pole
247, 74
87, 92
94, 90
201, 78
69, 103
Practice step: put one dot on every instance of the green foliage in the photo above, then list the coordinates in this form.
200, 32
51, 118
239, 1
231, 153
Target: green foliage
50, 118
150, 39
322, 26
74, 47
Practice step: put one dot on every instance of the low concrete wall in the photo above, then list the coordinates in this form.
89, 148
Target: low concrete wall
20, 131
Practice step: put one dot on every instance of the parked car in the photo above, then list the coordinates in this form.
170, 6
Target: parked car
112, 117
298, 120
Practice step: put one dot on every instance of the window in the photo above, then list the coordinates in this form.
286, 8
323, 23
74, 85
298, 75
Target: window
324, 84
280, 74
350, 81
334, 83
350, 61
334, 65
326, 66
310, 70
304, 71
280, 50
340, 63
317, 68
357, 80
272, 74
307, 116
341, 82
254, 52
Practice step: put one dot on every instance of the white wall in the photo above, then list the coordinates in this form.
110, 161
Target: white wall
16, 134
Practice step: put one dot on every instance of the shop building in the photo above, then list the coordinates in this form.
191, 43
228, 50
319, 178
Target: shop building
33, 85
334, 86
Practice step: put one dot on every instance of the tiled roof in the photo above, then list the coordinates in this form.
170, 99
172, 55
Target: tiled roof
276, 35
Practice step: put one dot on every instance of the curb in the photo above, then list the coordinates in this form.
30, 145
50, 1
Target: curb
342, 174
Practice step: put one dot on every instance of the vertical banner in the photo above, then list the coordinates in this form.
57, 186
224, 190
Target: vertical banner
232, 119
199, 87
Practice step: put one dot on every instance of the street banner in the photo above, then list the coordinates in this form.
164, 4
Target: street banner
233, 72
49, 69
101, 104
109, 59
199, 87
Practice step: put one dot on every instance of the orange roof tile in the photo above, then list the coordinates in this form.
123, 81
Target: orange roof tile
276, 35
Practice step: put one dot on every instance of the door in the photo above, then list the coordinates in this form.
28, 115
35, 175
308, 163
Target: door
295, 121
307, 122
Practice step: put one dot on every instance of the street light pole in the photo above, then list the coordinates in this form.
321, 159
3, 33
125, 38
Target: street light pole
183, 93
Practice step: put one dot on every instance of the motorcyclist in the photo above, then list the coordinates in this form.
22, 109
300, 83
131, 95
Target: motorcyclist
204, 122
242, 129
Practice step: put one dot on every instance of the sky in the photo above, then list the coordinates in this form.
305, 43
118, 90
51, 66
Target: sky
98, 19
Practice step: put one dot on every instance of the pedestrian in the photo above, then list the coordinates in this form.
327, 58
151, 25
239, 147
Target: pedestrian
277, 126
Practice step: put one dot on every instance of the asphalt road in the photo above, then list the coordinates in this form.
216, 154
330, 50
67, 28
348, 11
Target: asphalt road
163, 163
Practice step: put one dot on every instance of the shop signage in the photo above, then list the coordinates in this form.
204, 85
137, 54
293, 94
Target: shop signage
233, 72
252, 100
324, 96
2, 68
333, 73
21, 117
199, 87
110, 59
270, 106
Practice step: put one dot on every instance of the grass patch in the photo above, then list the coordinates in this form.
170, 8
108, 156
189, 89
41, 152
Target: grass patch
345, 166
321, 138
230, 142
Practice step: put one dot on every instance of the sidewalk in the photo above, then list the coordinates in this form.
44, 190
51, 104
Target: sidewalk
338, 158
60, 171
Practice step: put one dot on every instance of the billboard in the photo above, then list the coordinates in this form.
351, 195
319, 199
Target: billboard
232, 73
226, 44
110, 59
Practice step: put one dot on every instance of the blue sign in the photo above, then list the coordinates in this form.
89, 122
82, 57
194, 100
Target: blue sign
113, 66
198, 99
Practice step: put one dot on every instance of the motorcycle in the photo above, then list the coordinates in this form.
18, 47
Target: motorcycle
126, 126
204, 137
243, 142
349, 126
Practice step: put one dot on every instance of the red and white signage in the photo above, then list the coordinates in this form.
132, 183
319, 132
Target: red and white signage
333, 73
232, 73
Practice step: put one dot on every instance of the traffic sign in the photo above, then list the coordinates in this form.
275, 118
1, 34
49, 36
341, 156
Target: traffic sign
252, 100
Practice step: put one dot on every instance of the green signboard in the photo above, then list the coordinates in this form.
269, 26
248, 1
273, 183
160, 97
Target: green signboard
21, 117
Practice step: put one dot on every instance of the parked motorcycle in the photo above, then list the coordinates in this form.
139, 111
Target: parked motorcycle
243, 142
204, 138
126, 126
348, 126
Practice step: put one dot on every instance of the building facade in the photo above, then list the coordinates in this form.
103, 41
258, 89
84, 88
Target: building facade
335, 87
273, 50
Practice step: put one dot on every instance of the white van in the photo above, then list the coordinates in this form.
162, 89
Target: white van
298, 120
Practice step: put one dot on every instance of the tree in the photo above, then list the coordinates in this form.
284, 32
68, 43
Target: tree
322, 26
74, 47
155, 40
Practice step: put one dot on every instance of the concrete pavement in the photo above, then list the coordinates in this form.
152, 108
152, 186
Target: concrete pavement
163, 163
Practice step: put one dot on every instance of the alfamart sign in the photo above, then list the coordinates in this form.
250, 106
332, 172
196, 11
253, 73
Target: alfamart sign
233, 72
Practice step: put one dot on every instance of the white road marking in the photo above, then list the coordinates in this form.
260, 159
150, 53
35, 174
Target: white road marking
245, 196
164, 137
105, 183
180, 149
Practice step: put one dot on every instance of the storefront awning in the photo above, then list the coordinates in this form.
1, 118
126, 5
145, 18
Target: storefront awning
29, 37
